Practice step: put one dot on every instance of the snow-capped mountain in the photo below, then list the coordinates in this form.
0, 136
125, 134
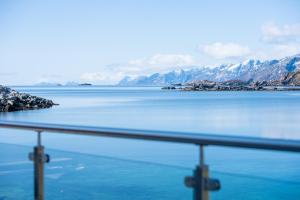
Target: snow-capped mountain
248, 70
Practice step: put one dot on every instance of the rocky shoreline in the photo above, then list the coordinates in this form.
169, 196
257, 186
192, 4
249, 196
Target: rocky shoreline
290, 82
11, 100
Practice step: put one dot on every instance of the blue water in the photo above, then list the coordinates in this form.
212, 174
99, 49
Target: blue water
94, 168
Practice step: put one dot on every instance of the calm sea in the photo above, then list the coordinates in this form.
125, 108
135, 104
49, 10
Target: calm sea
84, 167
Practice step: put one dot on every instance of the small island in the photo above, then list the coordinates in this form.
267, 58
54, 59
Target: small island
85, 84
290, 82
11, 100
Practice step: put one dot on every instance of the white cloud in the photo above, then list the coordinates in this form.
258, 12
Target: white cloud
279, 41
157, 63
103, 77
220, 50
287, 49
272, 32
276, 51
90, 76
49, 78
171, 60
165, 60
106, 76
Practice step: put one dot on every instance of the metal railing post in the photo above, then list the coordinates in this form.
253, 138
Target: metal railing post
200, 181
202, 172
39, 158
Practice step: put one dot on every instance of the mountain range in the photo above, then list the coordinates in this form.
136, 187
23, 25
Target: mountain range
249, 70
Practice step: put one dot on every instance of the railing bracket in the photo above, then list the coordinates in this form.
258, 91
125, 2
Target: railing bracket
200, 181
45, 157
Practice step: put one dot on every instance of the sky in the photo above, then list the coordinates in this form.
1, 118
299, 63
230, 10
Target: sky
100, 42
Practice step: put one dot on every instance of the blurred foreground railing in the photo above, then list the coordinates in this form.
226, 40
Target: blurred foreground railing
200, 181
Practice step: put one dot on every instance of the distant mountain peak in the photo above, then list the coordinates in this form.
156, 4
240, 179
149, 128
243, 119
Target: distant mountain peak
250, 69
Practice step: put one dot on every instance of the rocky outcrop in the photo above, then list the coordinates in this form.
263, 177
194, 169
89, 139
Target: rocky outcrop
11, 100
292, 79
233, 85
287, 83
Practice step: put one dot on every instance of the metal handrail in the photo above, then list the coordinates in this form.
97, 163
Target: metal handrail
200, 181
165, 136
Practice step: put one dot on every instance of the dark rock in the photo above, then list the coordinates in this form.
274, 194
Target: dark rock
11, 100
85, 84
292, 79
169, 88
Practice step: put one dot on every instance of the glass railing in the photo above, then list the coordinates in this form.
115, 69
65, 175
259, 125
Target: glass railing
16, 172
72, 176
254, 174
96, 169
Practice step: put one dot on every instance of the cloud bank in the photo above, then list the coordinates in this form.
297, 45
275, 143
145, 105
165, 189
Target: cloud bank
276, 41
156, 63
221, 50
274, 33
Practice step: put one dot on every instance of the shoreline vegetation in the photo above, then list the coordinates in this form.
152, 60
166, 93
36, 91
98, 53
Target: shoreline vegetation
11, 100
290, 82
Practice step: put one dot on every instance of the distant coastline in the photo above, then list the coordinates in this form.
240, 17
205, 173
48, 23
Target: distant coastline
50, 84
290, 82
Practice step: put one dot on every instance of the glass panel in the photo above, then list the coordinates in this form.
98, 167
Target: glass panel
82, 176
254, 174
87, 167
16, 172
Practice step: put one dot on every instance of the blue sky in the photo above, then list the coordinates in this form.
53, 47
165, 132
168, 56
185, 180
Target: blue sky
102, 41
